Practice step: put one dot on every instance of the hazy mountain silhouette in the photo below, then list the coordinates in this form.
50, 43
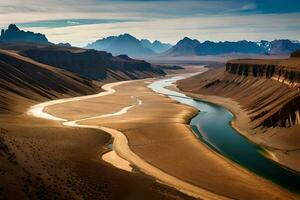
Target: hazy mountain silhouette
14, 34
156, 46
122, 44
185, 47
64, 44
283, 46
189, 47
213, 48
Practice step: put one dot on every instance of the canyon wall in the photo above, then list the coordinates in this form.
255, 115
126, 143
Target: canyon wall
267, 89
264, 95
280, 101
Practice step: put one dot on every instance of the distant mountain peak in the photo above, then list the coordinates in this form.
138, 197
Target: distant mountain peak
13, 27
61, 44
156, 46
127, 36
14, 34
129, 45
188, 41
121, 44
125, 57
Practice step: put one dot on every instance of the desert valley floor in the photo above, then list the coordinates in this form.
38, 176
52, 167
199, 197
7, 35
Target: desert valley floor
158, 145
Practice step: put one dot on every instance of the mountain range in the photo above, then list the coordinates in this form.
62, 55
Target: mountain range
192, 47
89, 63
129, 45
126, 44
156, 46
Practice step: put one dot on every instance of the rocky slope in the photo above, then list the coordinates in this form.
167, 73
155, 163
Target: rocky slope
268, 92
93, 64
280, 106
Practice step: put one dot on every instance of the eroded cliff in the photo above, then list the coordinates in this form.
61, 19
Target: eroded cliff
267, 93
275, 100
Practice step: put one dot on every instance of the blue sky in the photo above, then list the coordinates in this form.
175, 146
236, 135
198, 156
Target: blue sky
82, 21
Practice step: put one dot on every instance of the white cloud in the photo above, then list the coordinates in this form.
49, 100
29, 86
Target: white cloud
231, 27
73, 22
168, 21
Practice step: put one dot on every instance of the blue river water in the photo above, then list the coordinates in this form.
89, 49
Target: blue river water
212, 126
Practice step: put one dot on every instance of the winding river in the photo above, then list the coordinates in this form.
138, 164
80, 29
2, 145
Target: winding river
212, 126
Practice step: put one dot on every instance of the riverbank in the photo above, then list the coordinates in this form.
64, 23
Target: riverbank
157, 132
241, 120
281, 144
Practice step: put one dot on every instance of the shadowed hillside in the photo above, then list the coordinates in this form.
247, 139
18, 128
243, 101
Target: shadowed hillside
24, 81
37, 72
93, 64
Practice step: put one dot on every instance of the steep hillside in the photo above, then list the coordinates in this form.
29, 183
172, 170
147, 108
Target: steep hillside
24, 81
93, 64
268, 93
280, 105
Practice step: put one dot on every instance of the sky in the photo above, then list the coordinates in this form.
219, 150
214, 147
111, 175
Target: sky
80, 22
